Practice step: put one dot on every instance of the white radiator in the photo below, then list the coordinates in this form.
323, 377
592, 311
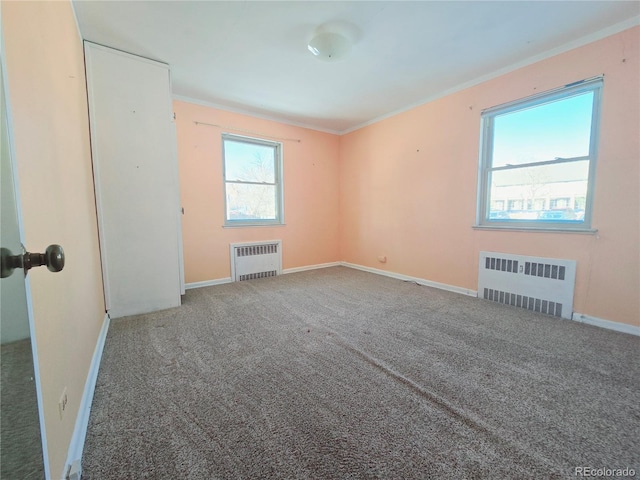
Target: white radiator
541, 284
256, 260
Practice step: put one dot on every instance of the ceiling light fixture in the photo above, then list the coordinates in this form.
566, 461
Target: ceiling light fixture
329, 46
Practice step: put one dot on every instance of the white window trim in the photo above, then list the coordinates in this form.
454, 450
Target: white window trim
279, 183
594, 84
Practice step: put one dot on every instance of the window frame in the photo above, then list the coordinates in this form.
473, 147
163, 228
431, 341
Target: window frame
485, 169
278, 182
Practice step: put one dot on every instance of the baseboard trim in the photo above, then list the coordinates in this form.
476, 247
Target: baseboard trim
73, 467
419, 281
222, 281
207, 283
311, 267
608, 324
578, 317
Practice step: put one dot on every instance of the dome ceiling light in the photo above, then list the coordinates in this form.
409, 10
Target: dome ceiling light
329, 46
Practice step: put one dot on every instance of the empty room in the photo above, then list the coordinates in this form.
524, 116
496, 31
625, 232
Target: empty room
324, 239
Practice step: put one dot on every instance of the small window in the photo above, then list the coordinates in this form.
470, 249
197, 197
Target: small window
497, 205
538, 159
252, 180
562, 202
514, 205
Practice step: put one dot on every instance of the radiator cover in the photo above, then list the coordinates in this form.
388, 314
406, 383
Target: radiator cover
540, 284
256, 260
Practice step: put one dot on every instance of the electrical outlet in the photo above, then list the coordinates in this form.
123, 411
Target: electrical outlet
62, 403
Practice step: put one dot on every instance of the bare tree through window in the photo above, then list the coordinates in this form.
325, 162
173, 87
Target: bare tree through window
252, 180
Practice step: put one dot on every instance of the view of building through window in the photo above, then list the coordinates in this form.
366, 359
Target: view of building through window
548, 192
537, 166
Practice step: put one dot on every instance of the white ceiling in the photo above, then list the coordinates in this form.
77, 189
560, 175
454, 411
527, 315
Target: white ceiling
251, 56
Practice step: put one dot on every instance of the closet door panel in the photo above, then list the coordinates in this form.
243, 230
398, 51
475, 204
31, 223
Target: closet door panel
136, 180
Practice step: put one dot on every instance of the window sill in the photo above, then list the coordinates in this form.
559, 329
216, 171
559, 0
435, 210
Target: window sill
514, 228
251, 225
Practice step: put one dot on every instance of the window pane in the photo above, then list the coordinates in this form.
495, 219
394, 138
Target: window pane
545, 193
247, 201
249, 162
560, 129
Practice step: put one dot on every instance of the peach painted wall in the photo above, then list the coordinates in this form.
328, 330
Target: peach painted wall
408, 184
48, 101
310, 236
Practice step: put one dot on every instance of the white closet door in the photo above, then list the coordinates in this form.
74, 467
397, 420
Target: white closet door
136, 180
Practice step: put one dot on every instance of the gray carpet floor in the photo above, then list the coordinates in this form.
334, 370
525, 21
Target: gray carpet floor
20, 440
338, 373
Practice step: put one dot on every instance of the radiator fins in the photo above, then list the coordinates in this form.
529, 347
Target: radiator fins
522, 301
256, 250
253, 276
545, 270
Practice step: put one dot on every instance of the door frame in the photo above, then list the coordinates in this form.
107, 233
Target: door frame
6, 105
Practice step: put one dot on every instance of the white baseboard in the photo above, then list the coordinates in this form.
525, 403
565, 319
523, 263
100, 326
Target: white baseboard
221, 281
207, 283
311, 267
600, 322
73, 468
578, 317
419, 281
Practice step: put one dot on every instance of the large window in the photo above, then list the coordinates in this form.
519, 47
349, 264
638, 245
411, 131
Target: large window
538, 160
252, 180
